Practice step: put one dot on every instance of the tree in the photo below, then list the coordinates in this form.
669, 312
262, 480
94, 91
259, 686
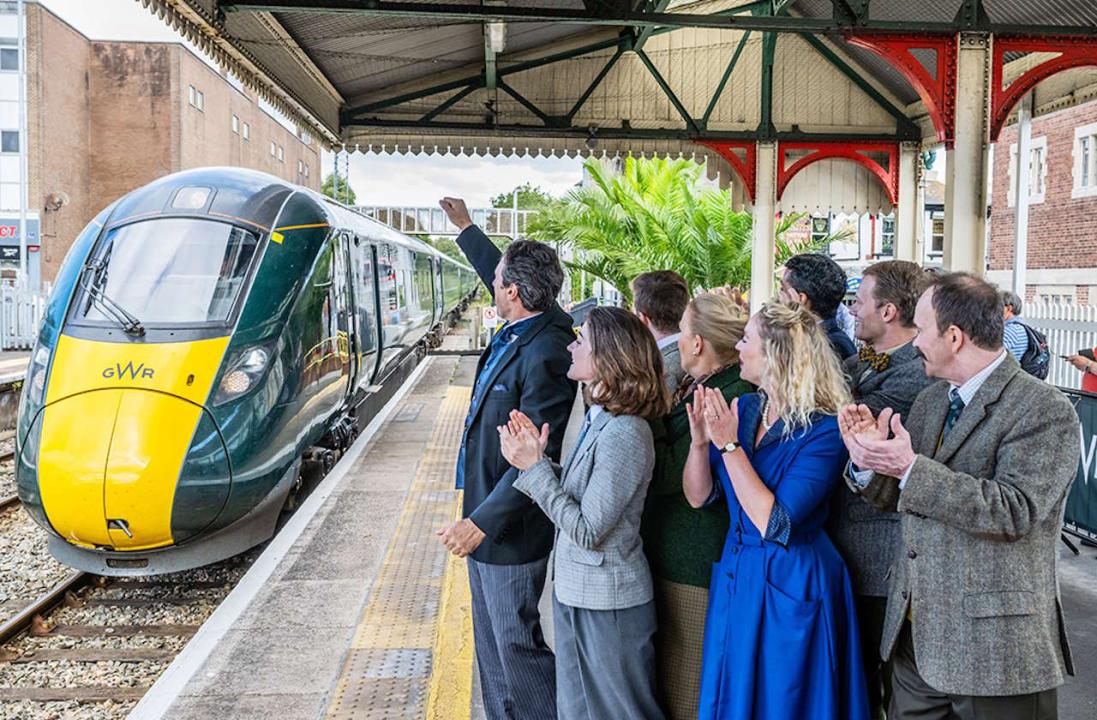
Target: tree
656, 215
328, 188
530, 197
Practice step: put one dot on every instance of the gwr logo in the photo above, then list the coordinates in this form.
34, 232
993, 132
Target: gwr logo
128, 370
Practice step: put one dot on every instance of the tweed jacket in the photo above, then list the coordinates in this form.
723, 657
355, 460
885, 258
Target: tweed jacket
867, 537
672, 367
599, 561
981, 516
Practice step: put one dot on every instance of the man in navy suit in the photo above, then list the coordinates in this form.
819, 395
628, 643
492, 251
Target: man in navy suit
505, 536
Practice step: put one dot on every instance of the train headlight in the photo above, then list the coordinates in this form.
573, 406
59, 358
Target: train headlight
36, 374
242, 374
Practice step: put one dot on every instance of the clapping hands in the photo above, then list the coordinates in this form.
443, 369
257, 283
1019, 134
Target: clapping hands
711, 419
867, 440
522, 444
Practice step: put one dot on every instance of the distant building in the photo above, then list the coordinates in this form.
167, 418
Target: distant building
107, 117
1062, 213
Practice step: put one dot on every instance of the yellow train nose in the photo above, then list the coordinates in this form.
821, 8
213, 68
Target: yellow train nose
120, 450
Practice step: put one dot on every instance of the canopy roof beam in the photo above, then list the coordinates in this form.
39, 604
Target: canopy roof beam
619, 15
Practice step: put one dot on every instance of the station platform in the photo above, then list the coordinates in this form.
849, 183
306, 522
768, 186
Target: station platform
356, 611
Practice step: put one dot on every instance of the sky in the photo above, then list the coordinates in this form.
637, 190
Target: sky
377, 179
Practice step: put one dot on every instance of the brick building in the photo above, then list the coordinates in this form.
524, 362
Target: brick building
1062, 222
106, 117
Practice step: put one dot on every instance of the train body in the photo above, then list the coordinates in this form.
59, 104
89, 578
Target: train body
206, 332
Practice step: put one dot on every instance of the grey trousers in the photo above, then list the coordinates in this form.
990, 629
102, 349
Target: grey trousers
605, 663
517, 671
913, 699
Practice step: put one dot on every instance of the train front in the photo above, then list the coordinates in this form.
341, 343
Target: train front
120, 453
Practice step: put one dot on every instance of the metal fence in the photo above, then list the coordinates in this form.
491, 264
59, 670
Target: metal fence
21, 311
1069, 328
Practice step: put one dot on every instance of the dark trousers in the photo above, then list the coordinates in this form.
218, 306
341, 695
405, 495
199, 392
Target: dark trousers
913, 699
870, 621
517, 668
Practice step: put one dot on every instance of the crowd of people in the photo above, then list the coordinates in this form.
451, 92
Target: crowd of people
755, 516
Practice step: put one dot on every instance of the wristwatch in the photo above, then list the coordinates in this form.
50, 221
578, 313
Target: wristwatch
730, 447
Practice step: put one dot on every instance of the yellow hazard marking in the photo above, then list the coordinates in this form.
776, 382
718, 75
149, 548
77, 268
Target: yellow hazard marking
419, 602
110, 449
276, 237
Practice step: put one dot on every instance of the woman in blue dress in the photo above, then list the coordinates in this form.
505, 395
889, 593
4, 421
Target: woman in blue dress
780, 635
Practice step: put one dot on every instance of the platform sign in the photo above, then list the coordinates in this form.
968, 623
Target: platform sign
1081, 511
489, 316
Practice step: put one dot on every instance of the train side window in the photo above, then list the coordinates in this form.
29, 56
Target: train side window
321, 277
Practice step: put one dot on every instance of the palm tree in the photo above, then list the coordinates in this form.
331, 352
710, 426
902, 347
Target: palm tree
655, 215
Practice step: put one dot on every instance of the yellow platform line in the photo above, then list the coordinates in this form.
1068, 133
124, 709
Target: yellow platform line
411, 655
450, 694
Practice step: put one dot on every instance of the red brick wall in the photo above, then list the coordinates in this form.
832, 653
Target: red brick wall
1062, 230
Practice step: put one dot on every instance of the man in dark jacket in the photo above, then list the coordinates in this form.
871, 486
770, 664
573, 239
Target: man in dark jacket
505, 536
888, 372
819, 284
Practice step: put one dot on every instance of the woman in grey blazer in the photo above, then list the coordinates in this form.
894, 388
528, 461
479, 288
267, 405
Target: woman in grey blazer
603, 611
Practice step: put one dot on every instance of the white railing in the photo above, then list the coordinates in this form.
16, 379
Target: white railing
432, 221
21, 311
1069, 328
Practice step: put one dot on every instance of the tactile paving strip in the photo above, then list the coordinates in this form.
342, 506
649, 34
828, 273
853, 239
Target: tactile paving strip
388, 669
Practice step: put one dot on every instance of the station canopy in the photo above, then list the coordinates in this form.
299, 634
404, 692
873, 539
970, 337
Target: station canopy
700, 78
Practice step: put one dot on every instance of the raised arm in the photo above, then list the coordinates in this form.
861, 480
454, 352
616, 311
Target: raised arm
477, 247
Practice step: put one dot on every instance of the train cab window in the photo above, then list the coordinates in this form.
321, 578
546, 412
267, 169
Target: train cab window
171, 271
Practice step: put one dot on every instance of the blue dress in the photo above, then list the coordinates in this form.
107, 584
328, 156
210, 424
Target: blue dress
781, 637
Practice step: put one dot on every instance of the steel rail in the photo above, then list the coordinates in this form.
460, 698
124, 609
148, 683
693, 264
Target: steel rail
43, 603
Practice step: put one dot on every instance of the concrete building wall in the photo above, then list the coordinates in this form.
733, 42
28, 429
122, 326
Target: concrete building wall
1062, 239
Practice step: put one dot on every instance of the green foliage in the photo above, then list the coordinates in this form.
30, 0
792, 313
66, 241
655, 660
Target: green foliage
656, 215
328, 188
530, 197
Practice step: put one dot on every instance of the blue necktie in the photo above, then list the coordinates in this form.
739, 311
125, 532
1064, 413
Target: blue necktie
495, 351
955, 407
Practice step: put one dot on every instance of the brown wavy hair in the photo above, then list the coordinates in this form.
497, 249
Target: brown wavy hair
628, 364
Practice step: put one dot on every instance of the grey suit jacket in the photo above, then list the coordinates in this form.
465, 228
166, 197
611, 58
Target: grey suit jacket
981, 516
672, 367
867, 537
599, 562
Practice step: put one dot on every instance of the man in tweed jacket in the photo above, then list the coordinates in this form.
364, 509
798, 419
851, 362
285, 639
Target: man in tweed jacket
888, 372
974, 625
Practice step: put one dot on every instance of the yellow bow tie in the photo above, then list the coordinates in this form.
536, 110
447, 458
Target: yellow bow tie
878, 361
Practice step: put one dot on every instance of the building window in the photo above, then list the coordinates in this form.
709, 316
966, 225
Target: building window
1085, 162
304, 136
1037, 168
236, 124
9, 59
9, 141
196, 98
887, 238
273, 149
247, 131
302, 168
937, 235
281, 154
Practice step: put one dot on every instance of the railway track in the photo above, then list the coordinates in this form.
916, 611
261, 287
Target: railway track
97, 644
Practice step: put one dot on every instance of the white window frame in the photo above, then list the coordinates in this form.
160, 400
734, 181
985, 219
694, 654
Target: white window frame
247, 132
273, 149
1036, 180
201, 101
281, 154
191, 96
236, 124
1089, 190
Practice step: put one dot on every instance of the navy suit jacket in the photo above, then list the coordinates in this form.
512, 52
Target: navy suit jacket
531, 376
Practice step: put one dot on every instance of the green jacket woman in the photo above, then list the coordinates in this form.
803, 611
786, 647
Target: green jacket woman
681, 542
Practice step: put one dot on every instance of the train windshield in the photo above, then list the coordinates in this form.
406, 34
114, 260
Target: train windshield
171, 271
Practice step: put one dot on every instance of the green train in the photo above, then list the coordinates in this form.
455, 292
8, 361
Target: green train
210, 335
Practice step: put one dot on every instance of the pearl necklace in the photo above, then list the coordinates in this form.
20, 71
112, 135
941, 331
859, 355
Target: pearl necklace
766, 424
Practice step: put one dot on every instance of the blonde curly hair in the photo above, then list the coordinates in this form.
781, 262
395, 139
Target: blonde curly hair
802, 374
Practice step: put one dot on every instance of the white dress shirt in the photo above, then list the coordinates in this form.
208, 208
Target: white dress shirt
668, 340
